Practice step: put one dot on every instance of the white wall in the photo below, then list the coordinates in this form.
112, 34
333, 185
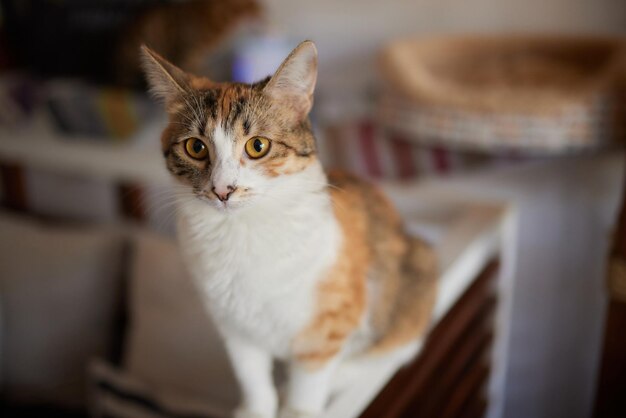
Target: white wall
566, 210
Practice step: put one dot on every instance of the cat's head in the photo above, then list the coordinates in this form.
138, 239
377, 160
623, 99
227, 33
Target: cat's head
234, 144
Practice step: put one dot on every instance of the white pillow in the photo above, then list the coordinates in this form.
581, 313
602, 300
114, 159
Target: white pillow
172, 346
59, 289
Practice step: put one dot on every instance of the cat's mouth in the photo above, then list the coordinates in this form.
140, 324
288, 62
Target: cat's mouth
224, 206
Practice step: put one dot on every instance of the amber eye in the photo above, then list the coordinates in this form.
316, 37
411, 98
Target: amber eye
257, 147
196, 149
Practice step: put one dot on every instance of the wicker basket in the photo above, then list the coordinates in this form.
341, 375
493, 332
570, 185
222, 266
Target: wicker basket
534, 94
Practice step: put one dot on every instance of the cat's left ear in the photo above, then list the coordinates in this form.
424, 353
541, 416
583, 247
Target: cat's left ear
167, 82
294, 82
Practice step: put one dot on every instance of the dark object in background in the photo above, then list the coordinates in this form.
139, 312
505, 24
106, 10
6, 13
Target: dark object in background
99, 39
611, 384
19, 97
71, 37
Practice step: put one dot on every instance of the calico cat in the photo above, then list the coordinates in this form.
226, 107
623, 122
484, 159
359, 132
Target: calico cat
293, 263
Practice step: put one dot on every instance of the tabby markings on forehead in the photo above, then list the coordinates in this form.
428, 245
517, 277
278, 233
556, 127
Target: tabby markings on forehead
232, 113
246, 127
223, 107
210, 101
202, 130
236, 110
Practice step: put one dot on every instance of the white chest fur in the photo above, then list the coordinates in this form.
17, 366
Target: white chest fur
257, 270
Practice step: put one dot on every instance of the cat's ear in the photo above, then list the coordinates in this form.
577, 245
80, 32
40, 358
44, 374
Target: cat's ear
294, 81
167, 82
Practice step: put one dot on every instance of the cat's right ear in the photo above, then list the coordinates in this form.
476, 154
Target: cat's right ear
294, 81
167, 82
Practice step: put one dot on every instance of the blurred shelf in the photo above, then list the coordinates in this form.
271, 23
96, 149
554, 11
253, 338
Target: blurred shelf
137, 159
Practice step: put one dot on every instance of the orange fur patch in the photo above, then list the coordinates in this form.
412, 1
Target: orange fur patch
412, 309
401, 269
202, 83
341, 296
286, 163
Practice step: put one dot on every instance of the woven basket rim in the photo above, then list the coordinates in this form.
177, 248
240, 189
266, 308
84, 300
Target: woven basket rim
407, 68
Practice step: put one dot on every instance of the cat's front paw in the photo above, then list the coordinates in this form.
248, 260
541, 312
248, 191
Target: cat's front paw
246, 413
293, 413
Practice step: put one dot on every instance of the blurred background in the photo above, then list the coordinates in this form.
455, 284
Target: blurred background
508, 100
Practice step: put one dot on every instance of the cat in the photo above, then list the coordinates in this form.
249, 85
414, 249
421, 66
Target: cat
292, 263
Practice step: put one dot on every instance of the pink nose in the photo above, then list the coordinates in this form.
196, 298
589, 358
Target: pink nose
223, 193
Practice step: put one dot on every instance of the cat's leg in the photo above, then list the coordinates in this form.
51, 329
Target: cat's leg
253, 370
308, 389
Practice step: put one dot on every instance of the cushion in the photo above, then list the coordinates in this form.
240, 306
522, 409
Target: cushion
172, 346
59, 288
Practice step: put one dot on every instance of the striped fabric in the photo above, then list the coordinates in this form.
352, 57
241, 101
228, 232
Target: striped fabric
584, 125
115, 394
365, 147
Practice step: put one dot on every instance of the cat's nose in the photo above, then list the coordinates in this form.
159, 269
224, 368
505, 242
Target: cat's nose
223, 192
